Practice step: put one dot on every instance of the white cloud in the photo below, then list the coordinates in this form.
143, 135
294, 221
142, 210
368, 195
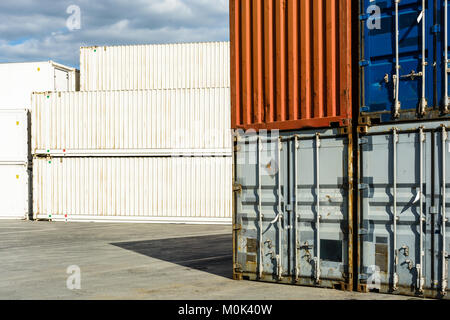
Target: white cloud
32, 30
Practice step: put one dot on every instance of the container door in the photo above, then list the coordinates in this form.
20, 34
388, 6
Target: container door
394, 85
261, 175
320, 215
13, 191
440, 272
292, 209
13, 136
395, 226
61, 80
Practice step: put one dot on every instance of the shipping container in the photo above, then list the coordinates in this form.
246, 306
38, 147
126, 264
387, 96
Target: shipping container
404, 235
14, 175
14, 191
14, 132
292, 207
161, 66
150, 122
291, 64
19, 80
139, 189
403, 54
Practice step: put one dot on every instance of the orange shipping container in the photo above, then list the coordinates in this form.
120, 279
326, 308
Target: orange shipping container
290, 63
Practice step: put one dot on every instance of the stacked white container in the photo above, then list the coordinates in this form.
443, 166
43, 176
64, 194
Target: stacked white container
17, 82
147, 140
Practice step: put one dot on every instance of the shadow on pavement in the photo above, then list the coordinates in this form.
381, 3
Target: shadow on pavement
211, 254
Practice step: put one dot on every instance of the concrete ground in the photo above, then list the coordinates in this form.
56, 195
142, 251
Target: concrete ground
133, 261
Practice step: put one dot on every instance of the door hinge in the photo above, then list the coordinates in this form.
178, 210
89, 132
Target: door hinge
237, 227
237, 187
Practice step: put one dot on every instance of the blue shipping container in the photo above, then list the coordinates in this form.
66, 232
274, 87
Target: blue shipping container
403, 77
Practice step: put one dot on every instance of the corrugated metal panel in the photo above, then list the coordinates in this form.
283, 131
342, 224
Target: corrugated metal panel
147, 67
291, 63
14, 192
293, 212
173, 189
99, 122
19, 80
420, 67
404, 177
14, 136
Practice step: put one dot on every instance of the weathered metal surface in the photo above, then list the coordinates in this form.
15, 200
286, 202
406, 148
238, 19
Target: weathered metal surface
132, 122
160, 66
291, 64
401, 211
403, 68
159, 190
293, 208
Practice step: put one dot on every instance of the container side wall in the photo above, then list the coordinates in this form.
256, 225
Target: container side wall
290, 64
147, 67
183, 121
173, 189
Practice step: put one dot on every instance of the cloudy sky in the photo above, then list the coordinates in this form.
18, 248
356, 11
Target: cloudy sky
34, 30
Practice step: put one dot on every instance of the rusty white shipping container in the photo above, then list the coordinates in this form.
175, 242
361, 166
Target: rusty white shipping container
162, 66
160, 190
19, 80
132, 123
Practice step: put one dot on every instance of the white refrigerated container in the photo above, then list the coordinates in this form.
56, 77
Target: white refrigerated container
19, 80
139, 189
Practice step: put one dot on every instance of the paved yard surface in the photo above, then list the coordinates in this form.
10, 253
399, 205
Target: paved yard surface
132, 261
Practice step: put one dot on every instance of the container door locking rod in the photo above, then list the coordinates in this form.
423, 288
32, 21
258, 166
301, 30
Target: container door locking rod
419, 267
280, 217
423, 101
446, 69
396, 79
296, 215
395, 270
317, 258
444, 256
260, 214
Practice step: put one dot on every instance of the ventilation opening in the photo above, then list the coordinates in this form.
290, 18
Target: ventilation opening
246, 278
374, 290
